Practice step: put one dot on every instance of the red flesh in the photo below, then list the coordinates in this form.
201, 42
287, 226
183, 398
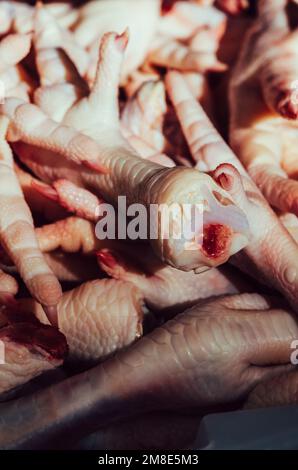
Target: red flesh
107, 258
215, 239
37, 335
167, 5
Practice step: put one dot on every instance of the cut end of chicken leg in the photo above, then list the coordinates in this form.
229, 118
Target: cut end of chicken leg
205, 226
30, 348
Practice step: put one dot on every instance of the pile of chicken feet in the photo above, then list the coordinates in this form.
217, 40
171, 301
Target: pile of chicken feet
128, 343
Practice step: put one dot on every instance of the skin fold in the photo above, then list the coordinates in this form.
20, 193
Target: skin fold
277, 267
97, 318
96, 19
133, 98
38, 203
164, 288
264, 137
143, 113
160, 185
18, 238
245, 338
71, 235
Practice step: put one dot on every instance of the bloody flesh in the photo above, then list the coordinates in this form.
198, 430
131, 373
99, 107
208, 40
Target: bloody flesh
215, 239
37, 335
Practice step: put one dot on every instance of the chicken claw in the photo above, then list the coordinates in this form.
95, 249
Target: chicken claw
264, 136
17, 234
275, 266
92, 125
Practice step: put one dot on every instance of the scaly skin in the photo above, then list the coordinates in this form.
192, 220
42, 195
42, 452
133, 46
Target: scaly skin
98, 318
272, 255
143, 113
14, 80
139, 180
71, 235
98, 18
264, 81
164, 288
199, 55
49, 34
74, 199
38, 203
185, 18
214, 353
17, 234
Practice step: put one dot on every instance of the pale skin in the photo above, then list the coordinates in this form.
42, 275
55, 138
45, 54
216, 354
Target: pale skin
247, 337
264, 137
102, 157
97, 318
91, 112
209, 150
18, 238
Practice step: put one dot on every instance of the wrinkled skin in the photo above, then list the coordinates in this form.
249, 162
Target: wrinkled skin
98, 18
143, 113
106, 176
17, 235
71, 235
38, 202
265, 136
214, 353
97, 318
271, 256
164, 287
